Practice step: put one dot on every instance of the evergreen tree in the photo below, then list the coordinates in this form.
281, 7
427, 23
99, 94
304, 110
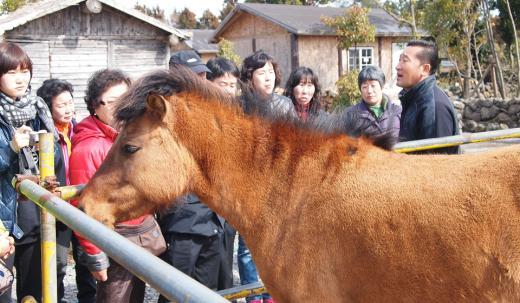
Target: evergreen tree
156, 11
208, 20
228, 7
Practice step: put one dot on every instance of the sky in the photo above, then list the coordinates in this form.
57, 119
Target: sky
196, 6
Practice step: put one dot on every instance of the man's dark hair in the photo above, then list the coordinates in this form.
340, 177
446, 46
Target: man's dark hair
51, 88
255, 61
220, 66
428, 55
99, 83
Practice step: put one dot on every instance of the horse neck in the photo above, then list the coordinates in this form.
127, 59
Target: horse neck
244, 164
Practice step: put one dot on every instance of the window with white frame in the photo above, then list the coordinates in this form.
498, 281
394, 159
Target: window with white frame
360, 57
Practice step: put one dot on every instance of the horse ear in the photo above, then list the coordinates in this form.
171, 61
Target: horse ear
156, 105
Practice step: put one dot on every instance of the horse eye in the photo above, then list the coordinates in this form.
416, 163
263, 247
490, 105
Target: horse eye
130, 149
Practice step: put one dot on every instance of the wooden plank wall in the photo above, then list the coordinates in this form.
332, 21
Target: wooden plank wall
38, 51
137, 57
75, 61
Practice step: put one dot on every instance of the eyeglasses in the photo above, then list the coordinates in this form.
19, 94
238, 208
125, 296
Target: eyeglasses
107, 103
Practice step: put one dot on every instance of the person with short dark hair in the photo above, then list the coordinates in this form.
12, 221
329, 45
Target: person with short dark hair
190, 59
224, 74
376, 112
192, 230
261, 76
304, 90
57, 94
20, 113
427, 110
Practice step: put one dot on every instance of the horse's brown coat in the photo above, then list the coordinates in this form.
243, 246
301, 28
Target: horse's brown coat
325, 225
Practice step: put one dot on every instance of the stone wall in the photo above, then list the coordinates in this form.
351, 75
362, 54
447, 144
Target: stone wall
478, 115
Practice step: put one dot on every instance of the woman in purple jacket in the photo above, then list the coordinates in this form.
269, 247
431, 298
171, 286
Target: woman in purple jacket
376, 112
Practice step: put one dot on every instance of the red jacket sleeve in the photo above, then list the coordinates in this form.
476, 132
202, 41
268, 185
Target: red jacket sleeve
84, 161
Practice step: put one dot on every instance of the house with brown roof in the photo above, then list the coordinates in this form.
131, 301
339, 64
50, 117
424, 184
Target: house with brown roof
295, 36
71, 39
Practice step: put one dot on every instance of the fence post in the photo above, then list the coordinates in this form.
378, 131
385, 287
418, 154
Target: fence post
48, 225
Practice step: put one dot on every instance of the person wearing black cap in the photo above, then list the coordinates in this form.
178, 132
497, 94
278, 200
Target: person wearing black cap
190, 59
191, 229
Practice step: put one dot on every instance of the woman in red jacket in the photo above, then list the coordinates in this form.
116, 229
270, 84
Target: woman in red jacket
91, 142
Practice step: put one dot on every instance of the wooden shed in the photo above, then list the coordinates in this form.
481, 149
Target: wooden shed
70, 39
295, 36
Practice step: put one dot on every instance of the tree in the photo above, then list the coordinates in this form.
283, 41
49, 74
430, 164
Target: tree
8, 6
409, 12
453, 24
515, 39
352, 28
174, 18
208, 20
505, 26
225, 49
187, 19
491, 42
156, 11
228, 7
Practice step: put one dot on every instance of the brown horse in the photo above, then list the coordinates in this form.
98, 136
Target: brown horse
328, 218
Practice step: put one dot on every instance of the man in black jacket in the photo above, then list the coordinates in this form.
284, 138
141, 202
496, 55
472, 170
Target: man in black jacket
427, 110
193, 232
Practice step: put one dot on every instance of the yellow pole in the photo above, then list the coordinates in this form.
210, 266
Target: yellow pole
48, 225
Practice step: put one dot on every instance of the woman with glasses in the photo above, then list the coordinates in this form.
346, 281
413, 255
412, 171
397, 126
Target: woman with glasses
93, 138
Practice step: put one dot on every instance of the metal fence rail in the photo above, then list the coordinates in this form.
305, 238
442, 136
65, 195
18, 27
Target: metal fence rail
243, 291
426, 144
170, 282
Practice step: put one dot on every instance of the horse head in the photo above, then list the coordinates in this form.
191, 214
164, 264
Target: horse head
147, 167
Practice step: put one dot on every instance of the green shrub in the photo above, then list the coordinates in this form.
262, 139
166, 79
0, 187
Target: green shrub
226, 50
348, 90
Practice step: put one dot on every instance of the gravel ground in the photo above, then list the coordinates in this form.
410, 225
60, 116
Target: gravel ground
151, 294
71, 290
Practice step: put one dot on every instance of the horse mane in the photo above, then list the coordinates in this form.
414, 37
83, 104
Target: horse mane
181, 79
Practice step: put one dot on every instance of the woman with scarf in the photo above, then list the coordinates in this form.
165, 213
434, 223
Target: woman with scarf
21, 113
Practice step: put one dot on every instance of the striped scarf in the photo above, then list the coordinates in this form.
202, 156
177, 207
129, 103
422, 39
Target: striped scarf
17, 112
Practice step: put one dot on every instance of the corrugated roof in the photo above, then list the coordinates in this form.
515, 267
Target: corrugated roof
200, 41
43, 8
306, 20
